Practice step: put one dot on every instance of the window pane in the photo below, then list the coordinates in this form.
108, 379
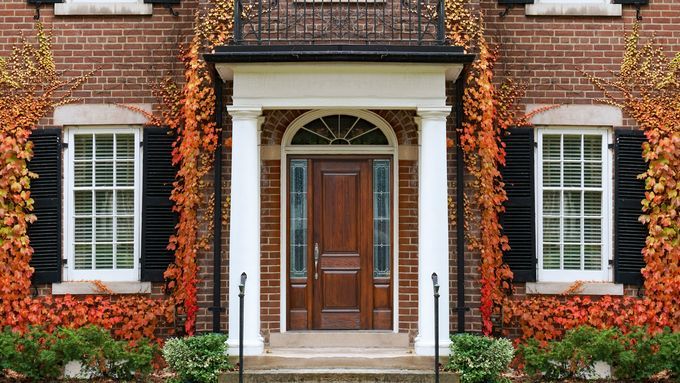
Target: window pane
125, 173
551, 256
551, 174
381, 219
103, 146
572, 148
572, 257
125, 146
572, 230
572, 203
572, 174
83, 202
551, 147
592, 174
592, 148
103, 173
125, 202
592, 230
551, 230
592, 203
125, 229
104, 230
339, 130
104, 202
104, 256
83, 146
298, 218
83, 256
82, 174
551, 202
593, 257
83, 230
124, 257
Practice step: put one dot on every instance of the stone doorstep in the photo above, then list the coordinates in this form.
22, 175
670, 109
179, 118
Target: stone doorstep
338, 358
355, 339
338, 376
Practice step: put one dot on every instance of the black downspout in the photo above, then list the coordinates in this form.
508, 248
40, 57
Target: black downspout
217, 208
460, 207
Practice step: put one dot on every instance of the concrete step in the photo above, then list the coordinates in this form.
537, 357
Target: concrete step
311, 375
338, 357
366, 339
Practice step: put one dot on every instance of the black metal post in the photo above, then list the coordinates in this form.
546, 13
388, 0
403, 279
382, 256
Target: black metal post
241, 295
460, 207
238, 27
435, 286
217, 209
441, 22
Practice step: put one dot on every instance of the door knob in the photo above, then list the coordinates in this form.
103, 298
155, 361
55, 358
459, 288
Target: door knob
316, 260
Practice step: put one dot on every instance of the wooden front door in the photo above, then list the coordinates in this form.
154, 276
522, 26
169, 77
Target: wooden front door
341, 289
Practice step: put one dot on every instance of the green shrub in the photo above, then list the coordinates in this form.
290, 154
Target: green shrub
479, 359
636, 355
39, 355
572, 357
198, 359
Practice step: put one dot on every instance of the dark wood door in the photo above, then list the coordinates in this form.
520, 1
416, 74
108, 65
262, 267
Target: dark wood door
341, 244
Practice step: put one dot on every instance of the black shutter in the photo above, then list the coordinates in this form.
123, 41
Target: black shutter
513, 2
158, 219
518, 220
45, 233
40, 2
629, 191
166, 2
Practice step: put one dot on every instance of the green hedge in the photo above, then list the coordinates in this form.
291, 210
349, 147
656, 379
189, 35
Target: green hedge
479, 359
198, 359
637, 355
40, 355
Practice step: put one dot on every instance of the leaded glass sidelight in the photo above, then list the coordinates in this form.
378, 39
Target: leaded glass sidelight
298, 218
381, 219
339, 129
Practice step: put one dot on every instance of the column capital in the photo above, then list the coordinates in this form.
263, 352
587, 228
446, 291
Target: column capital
433, 113
244, 112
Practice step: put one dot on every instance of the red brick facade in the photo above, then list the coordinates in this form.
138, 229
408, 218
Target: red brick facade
130, 54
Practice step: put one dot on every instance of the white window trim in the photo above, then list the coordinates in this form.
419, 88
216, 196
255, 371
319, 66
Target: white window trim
69, 271
606, 273
573, 8
102, 8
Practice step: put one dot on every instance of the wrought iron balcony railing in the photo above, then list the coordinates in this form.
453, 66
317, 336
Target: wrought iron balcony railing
355, 22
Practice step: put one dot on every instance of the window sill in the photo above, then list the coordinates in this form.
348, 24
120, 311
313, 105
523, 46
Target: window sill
588, 288
102, 9
573, 9
89, 288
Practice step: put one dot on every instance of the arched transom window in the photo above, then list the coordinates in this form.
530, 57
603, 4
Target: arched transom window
339, 129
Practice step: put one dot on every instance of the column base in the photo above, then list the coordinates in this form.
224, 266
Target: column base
255, 347
427, 348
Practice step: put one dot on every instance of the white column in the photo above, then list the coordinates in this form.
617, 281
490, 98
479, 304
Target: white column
433, 229
244, 230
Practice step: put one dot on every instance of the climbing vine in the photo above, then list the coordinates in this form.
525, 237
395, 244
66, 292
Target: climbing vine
30, 87
189, 113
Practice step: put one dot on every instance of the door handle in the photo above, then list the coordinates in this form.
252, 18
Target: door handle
316, 260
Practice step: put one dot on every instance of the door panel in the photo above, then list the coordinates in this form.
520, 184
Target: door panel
341, 232
339, 287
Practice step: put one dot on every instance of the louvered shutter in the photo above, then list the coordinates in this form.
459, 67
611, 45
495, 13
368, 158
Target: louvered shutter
45, 233
518, 220
158, 219
629, 191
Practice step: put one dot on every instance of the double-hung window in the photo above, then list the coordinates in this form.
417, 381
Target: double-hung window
103, 204
573, 204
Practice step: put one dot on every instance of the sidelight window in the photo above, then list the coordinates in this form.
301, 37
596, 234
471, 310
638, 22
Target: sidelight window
381, 219
298, 218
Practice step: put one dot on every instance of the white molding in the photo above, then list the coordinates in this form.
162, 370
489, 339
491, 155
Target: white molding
288, 149
561, 275
588, 288
89, 288
577, 115
118, 275
574, 8
100, 114
98, 8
